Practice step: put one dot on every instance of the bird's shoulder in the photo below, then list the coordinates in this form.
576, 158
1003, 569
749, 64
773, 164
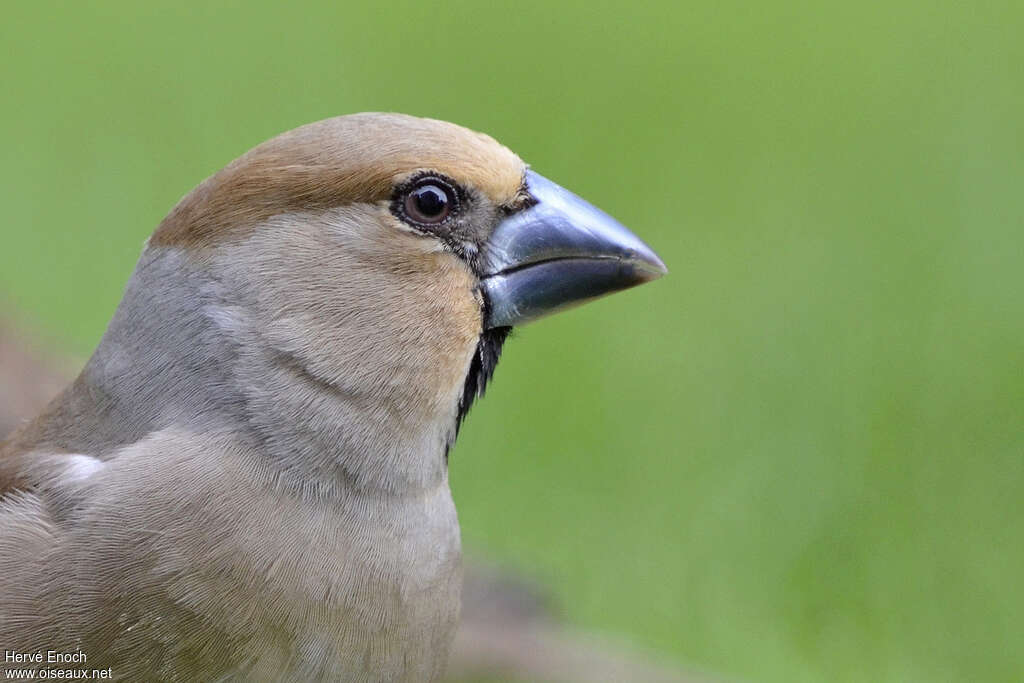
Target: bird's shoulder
195, 527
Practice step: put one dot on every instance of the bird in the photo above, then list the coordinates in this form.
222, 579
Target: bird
248, 481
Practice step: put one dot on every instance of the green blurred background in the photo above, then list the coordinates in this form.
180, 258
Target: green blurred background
800, 457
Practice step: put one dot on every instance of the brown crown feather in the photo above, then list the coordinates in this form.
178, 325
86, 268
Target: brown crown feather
342, 160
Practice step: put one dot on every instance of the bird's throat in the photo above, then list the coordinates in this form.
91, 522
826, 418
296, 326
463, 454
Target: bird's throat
481, 369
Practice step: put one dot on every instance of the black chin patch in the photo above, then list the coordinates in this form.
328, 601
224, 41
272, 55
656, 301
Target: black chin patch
485, 359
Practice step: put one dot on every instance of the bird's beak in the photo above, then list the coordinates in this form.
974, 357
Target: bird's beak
560, 252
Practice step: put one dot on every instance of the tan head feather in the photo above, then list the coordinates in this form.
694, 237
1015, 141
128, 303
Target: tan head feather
338, 161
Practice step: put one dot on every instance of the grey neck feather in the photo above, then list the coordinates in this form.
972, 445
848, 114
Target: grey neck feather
202, 364
149, 372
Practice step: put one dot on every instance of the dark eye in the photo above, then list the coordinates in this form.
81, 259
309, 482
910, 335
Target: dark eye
430, 201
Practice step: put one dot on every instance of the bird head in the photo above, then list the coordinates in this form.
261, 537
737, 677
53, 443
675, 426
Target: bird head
371, 266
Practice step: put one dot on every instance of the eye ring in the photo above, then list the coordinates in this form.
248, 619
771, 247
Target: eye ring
429, 201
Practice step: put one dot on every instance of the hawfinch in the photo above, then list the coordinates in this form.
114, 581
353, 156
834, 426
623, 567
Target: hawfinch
248, 481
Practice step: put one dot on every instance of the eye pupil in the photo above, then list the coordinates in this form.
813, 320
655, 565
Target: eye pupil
430, 202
